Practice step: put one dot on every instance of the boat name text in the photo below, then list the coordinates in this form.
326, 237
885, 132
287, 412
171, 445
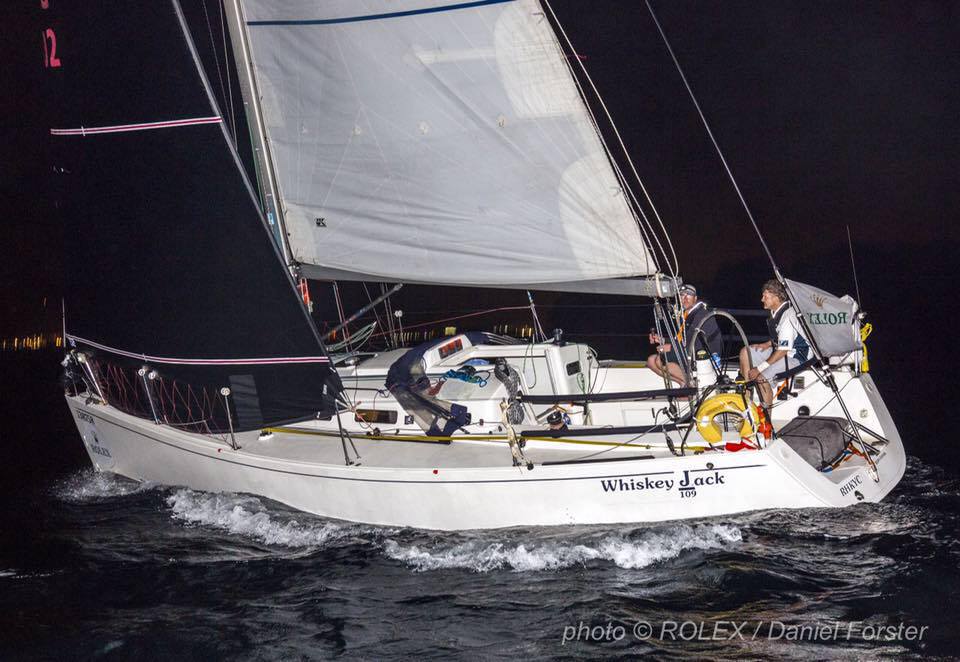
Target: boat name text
687, 485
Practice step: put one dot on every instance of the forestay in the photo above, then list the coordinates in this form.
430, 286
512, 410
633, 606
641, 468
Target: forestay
436, 142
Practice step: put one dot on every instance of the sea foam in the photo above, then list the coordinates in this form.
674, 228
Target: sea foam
637, 550
91, 485
534, 550
249, 517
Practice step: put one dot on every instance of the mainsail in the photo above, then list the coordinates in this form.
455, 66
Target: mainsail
171, 265
441, 142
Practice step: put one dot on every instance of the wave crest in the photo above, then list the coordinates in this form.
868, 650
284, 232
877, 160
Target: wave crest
92, 485
626, 551
247, 516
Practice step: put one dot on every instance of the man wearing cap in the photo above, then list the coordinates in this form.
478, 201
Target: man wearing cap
695, 315
786, 348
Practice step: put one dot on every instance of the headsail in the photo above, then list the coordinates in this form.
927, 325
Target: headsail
437, 141
170, 263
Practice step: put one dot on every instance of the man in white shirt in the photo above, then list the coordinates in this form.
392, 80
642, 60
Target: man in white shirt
786, 348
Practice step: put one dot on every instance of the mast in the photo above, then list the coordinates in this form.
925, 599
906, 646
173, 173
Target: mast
267, 181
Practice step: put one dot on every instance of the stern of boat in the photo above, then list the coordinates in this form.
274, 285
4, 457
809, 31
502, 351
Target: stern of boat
853, 480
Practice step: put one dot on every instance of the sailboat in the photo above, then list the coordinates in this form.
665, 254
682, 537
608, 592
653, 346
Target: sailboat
406, 141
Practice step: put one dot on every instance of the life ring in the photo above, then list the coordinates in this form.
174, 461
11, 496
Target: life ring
725, 403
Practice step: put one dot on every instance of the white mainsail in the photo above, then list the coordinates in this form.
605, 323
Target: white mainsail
439, 142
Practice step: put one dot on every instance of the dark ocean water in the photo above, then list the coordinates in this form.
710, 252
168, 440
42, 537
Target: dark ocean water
98, 567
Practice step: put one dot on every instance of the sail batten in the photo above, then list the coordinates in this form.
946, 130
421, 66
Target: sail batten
437, 142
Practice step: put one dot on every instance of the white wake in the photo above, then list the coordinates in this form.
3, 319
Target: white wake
536, 550
248, 517
90, 485
635, 551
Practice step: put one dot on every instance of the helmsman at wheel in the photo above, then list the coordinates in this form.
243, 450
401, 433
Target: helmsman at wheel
786, 348
696, 315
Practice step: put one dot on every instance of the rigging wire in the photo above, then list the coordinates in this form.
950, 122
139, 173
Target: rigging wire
216, 59
370, 300
648, 235
450, 319
336, 296
226, 59
753, 222
813, 345
747, 311
537, 328
853, 265
388, 311
674, 266
713, 140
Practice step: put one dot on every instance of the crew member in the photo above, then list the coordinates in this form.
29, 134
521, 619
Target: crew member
786, 348
696, 315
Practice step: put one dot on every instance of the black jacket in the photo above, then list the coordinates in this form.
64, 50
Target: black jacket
709, 337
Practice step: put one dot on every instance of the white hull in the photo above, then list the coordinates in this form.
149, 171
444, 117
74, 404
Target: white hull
429, 487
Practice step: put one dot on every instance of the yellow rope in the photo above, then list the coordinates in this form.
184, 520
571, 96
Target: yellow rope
865, 332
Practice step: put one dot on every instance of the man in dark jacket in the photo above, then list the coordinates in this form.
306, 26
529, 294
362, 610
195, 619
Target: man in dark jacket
695, 315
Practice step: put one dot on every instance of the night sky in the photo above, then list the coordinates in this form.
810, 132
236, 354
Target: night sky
830, 114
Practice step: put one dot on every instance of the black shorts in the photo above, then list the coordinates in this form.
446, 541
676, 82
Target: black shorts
670, 356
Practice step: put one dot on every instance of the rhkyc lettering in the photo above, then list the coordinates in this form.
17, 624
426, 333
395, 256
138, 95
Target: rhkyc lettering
689, 482
851, 485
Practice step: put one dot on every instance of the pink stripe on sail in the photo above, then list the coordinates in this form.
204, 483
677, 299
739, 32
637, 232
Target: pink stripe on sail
162, 359
145, 126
